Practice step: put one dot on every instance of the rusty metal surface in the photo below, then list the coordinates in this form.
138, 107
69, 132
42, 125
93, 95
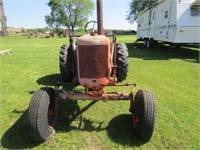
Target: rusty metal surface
94, 93
100, 17
93, 61
72, 95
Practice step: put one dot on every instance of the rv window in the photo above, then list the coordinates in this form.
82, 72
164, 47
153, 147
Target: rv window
166, 14
195, 10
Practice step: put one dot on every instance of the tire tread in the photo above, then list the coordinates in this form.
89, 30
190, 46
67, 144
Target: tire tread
145, 127
122, 62
38, 106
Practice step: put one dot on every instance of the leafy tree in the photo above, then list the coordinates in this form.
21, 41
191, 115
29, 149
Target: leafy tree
136, 6
69, 13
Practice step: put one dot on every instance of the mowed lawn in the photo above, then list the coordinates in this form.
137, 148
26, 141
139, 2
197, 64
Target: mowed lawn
172, 74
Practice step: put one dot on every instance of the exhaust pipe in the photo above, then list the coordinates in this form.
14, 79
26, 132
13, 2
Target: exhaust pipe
100, 17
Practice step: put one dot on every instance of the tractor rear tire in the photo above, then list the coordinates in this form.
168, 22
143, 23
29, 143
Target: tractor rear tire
67, 68
41, 116
122, 62
144, 114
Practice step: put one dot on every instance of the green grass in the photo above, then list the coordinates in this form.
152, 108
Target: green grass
172, 74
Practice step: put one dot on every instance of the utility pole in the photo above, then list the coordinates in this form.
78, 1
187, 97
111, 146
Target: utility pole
3, 19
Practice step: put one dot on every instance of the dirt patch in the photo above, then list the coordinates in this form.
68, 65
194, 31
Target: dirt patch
92, 144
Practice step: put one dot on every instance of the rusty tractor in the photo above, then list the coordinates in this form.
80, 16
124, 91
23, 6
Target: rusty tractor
94, 61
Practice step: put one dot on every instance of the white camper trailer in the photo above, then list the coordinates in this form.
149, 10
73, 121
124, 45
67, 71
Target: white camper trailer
171, 21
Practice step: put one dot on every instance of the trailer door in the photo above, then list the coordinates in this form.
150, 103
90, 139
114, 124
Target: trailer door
152, 23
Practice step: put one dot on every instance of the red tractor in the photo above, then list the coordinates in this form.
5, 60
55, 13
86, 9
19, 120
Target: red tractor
93, 61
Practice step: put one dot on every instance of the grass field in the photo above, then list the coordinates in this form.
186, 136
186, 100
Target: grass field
172, 74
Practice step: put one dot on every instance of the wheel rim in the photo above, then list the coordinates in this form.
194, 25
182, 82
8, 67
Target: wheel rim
51, 115
51, 119
135, 118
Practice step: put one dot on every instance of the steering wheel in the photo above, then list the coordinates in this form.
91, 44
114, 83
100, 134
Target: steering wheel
92, 29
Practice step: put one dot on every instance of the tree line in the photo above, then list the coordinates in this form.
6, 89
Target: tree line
73, 14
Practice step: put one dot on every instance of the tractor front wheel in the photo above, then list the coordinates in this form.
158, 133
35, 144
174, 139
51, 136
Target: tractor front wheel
41, 115
143, 114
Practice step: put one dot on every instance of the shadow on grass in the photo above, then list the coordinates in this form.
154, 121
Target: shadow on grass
70, 118
71, 112
120, 131
162, 52
49, 80
119, 128
16, 137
